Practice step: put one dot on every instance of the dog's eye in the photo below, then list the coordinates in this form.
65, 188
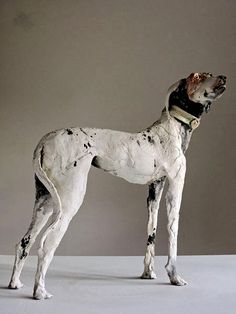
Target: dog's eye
209, 74
206, 75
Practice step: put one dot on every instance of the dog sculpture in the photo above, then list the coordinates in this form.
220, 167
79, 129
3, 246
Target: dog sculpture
63, 158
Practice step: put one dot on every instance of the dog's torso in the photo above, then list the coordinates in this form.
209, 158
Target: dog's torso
140, 158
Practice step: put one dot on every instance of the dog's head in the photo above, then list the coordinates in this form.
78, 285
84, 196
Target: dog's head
196, 93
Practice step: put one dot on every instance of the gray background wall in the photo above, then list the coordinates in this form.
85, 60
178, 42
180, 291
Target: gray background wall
108, 64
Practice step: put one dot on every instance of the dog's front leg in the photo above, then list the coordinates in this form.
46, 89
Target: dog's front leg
153, 201
173, 202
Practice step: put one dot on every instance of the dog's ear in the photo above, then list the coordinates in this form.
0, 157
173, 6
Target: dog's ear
182, 86
179, 95
193, 76
192, 82
179, 88
171, 90
174, 87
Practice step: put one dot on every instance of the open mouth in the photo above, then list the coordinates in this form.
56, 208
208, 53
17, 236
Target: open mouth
220, 85
219, 90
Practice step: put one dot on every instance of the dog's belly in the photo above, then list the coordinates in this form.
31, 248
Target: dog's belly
135, 171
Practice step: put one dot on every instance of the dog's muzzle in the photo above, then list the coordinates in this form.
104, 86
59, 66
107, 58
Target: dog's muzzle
220, 85
222, 79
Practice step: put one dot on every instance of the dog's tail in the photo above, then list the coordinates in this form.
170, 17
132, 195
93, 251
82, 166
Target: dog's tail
43, 177
170, 90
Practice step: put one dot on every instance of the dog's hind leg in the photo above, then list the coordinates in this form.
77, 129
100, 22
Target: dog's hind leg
173, 202
153, 201
43, 209
71, 187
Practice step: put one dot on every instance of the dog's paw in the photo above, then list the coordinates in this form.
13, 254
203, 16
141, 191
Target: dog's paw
41, 294
15, 285
176, 280
148, 275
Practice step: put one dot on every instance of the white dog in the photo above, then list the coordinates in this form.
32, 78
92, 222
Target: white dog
63, 158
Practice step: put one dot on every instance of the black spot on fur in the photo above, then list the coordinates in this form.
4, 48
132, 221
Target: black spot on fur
152, 192
89, 144
207, 107
161, 180
24, 243
151, 140
138, 142
75, 163
154, 188
41, 156
83, 131
155, 163
69, 131
85, 146
24, 254
40, 189
151, 238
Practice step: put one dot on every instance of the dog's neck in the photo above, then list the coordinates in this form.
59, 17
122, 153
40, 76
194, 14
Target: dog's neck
184, 117
184, 130
185, 112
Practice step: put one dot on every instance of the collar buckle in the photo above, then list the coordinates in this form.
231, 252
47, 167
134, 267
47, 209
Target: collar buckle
194, 123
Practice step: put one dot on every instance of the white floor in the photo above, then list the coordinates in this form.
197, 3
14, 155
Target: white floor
111, 285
